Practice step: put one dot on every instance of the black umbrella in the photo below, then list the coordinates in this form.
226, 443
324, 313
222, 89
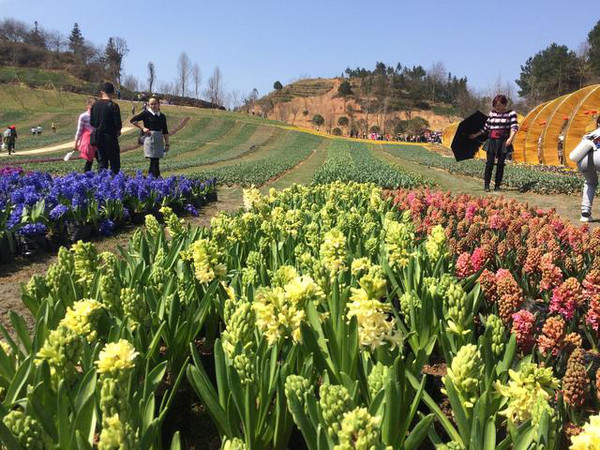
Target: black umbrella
463, 147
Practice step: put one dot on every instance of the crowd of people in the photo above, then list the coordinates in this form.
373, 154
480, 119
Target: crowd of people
99, 128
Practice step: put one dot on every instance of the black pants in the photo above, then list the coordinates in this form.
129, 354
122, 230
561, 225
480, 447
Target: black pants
88, 166
494, 152
109, 153
153, 169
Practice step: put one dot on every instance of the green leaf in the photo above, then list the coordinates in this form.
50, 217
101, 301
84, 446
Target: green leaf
419, 433
201, 384
18, 382
432, 405
176, 442
21, 328
489, 439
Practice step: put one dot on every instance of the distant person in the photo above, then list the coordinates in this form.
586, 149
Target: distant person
10, 139
53, 126
154, 127
105, 117
82, 137
132, 109
502, 126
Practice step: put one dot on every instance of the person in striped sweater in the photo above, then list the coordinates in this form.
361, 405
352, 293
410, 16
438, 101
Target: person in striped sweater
501, 128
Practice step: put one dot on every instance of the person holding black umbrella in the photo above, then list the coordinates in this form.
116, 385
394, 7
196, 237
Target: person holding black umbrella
501, 127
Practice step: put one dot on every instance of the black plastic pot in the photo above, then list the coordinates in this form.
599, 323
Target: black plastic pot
79, 232
137, 218
212, 196
7, 254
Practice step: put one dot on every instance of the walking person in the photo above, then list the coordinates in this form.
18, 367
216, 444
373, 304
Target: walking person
501, 127
53, 126
154, 127
105, 117
82, 137
10, 139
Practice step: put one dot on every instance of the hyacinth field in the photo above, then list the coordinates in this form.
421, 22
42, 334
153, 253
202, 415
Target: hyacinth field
334, 316
39, 211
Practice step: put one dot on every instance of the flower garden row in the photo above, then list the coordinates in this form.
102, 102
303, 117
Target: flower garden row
324, 308
36, 208
523, 177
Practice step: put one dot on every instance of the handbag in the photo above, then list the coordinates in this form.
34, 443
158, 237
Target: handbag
95, 137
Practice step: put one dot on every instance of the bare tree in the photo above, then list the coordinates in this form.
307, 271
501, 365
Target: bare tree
437, 74
294, 108
131, 83
214, 91
13, 30
283, 112
197, 78
235, 97
151, 75
184, 67
583, 66
56, 41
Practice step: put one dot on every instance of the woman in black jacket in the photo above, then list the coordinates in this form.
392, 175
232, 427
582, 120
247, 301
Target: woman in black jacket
156, 140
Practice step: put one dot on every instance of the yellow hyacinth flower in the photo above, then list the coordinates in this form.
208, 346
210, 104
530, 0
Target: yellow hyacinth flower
116, 357
80, 318
589, 438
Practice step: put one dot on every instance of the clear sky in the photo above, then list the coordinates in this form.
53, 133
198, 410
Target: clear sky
258, 42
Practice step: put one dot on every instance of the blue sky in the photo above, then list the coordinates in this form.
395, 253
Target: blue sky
257, 42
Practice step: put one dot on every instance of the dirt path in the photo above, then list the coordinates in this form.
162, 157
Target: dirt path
53, 148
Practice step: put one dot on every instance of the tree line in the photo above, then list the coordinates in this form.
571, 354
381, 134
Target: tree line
23, 45
558, 70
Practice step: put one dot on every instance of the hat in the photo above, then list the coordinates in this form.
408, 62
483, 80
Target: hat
108, 88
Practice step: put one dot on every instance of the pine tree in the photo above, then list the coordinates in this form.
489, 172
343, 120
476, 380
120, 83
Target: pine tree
76, 40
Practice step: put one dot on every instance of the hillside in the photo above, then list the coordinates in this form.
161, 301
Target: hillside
298, 102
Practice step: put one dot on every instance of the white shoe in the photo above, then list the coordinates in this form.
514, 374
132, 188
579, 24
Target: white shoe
585, 217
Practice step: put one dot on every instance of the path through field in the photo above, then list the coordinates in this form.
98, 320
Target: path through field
53, 148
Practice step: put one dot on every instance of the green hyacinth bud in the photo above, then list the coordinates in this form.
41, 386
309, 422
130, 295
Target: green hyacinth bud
372, 246
152, 225
407, 300
455, 302
158, 277
27, 431
444, 283
451, 446
465, 373
359, 430
244, 366
59, 272
234, 444
299, 386
174, 223
497, 336
62, 350
377, 378
113, 397
374, 282
85, 258
240, 328
110, 290
431, 285
37, 287
334, 402
134, 306
117, 435
136, 238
